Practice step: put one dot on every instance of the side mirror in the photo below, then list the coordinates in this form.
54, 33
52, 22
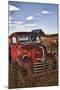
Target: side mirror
14, 41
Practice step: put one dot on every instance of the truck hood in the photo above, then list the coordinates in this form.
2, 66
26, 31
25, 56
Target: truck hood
37, 50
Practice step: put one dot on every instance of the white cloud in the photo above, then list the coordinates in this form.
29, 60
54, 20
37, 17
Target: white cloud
10, 22
29, 18
13, 8
15, 22
10, 19
30, 25
46, 12
18, 22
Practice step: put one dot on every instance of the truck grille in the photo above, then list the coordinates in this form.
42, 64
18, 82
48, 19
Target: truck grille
38, 67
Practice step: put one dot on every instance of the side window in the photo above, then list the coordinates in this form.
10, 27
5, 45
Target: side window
14, 41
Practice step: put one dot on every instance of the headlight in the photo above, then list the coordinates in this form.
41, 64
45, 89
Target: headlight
25, 58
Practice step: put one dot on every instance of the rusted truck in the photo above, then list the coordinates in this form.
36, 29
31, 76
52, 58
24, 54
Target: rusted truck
26, 46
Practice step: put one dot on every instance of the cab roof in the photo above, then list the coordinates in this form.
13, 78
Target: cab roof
22, 33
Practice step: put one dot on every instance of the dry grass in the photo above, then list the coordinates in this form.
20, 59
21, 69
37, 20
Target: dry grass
47, 78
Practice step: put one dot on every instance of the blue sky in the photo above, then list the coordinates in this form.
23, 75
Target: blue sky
25, 16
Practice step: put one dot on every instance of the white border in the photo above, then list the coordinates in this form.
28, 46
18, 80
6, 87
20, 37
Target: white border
4, 43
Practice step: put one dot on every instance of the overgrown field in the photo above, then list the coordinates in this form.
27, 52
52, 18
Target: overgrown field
47, 78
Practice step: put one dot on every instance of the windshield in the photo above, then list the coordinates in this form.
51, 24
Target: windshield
23, 38
28, 38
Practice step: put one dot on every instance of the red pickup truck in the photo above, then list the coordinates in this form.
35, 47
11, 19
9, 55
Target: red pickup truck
25, 46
